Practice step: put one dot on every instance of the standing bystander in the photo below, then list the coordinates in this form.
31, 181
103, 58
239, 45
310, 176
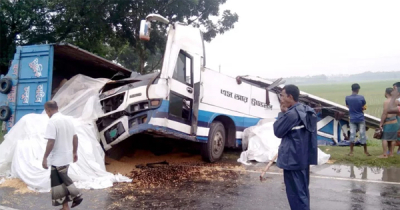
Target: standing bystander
356, 104
394, 107
61, 150
389, 126
297, 127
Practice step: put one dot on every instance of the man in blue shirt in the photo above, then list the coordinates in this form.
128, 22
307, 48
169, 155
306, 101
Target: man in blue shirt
357, 104
297, 127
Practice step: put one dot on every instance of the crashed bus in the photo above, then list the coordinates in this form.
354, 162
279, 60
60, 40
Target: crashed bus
187, 100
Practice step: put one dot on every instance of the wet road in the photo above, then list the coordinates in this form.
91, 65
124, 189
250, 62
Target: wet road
229, 185
241, 191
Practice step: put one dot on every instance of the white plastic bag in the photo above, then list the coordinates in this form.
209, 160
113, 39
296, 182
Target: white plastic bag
262, 145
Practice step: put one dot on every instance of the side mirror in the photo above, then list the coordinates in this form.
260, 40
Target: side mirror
144, 33
145, 25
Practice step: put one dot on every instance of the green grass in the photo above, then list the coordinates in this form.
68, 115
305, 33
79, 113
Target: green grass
339, 156
374, 95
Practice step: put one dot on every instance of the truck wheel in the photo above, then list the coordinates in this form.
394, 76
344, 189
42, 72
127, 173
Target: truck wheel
5, 85
5, 113
214, 148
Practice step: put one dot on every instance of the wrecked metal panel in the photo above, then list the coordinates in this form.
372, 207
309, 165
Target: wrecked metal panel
257, 81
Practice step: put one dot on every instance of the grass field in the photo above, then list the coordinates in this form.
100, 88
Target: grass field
374, 95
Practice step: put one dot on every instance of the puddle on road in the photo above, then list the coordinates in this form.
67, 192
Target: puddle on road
362, 172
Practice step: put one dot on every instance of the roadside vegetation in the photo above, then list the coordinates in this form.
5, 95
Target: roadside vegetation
339, 156
107, 28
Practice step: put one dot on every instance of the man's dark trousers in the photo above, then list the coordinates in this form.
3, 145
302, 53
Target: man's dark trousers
297, 182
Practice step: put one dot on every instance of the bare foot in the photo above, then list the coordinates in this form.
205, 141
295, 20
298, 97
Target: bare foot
350, 154
382, 156
367, 154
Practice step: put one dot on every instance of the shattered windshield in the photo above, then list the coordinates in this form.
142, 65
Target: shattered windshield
135, 80
141, 61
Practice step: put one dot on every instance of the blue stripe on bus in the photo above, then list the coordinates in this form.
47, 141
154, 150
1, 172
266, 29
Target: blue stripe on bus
205, 118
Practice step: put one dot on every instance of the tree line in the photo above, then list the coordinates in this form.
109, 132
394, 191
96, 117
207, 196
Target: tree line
362, 77
107, 28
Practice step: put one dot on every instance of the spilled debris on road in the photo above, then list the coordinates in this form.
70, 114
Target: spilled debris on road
17, 185
173, 175
166, 176
149, 171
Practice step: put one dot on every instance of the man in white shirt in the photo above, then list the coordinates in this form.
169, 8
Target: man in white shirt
61, 150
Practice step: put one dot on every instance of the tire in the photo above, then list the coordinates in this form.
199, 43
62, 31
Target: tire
214, 148
5, 85
5, 113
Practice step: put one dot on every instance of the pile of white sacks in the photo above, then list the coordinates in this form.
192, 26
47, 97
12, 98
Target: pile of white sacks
22, 151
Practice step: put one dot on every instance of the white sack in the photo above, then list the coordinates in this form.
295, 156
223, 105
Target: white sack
22, 151
322, 157
263, 145
249, 132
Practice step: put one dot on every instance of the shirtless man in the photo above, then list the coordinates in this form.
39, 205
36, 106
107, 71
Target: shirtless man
394, 107
389, 126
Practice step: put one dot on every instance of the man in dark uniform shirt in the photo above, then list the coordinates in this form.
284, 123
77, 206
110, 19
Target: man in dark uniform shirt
297, 127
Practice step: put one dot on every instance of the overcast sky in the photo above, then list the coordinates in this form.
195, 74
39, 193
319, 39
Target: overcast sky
298, 38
